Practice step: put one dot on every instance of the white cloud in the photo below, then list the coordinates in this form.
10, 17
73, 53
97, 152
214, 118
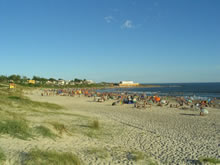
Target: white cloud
128, 24
109, 19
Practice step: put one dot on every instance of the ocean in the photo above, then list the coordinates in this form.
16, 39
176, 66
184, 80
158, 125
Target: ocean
211, 90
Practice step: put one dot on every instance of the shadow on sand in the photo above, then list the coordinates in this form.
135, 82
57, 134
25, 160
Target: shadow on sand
187, 114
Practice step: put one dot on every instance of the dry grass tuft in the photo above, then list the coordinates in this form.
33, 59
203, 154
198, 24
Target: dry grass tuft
15, 128
45, 132
61, 128
209, 160
95, 124
37, 156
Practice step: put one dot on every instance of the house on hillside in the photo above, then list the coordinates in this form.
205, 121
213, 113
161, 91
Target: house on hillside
89, 82
61, 82
49, 82
71, 83
67, 82
31, 81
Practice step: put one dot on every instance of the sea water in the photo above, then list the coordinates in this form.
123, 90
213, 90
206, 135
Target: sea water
196, 90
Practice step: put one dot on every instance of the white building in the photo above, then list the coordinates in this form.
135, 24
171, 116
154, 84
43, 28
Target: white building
128, 83
90, 82
61, 82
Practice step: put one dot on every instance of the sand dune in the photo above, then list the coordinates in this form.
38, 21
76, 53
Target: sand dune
163, 135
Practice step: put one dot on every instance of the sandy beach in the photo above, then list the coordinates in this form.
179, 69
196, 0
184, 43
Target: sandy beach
161, 135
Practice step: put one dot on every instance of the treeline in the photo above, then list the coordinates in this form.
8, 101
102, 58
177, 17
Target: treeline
14, 78
18, 79
48, 82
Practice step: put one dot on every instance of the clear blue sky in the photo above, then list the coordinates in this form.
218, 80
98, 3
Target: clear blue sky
152, 41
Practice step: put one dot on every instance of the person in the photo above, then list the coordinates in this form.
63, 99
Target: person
203, 111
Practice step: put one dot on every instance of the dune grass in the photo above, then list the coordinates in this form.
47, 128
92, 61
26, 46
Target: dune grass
209, 160
59, 127
94, 129
45, 132
27, 102
2, 156
15, 97
39, 157
95, 124
17, 128
135, 155
4, 100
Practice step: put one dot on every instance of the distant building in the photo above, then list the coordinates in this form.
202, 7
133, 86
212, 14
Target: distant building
127, 83
67, 82
90, 82
48, 82
71, 83
54, 82
61, 82
31, 81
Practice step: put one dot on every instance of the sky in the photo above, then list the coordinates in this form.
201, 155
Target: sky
147, 41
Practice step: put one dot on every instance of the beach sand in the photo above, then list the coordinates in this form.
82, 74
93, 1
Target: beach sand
162, 134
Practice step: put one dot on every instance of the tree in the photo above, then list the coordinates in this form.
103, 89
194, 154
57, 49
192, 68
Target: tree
3, 78
77, 80
52, 79
24, 79
15, 78
36, 78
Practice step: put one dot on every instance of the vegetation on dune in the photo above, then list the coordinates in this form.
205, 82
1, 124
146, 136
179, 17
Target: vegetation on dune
135, 155
39, 157
23, 101
95, 124
61, 128
12, 121
2, 156
209, 160
45, 132
17, 128
15, 98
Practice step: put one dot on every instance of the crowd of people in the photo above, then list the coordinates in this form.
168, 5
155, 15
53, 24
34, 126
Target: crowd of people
138, 100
